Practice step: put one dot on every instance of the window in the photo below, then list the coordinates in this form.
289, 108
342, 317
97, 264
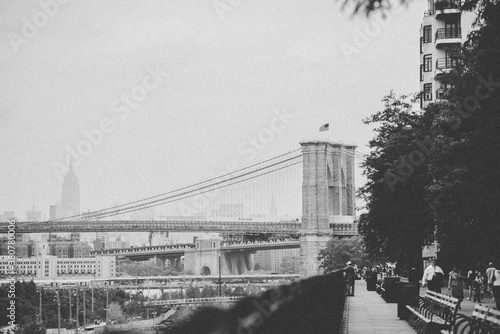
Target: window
452, 30
428, 92
421, 45
439, 93
450, 60
427, 34
427, 63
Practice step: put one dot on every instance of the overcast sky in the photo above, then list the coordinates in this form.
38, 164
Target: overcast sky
171, 91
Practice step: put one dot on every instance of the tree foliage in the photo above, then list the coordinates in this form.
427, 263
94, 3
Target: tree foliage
434, 172
134, 268
116, 313
290, 265
398, 217
340, 250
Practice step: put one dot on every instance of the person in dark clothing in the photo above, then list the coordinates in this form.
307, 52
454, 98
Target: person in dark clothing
350, 277
477, 286
413, 276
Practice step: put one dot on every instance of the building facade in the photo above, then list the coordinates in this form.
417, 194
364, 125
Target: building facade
49, 266
444, 29
272, 259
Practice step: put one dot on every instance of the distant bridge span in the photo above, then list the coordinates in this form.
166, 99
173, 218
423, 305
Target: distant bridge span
233, 227
180, 249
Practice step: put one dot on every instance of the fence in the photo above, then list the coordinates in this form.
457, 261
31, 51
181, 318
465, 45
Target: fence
137, 325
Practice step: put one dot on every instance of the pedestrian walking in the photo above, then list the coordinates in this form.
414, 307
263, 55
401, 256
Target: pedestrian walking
350, 277
496, 287
471, 276
433, 277
490, 273
456, 284
477, 286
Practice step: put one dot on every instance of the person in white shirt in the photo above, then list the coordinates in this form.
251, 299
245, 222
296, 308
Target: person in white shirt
496, 287
489, 276
433, 277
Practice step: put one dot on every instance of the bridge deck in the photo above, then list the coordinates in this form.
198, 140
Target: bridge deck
367, 312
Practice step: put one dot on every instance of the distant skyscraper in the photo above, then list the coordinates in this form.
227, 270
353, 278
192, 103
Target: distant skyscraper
33, 215
70, 197
273, 209
53, 212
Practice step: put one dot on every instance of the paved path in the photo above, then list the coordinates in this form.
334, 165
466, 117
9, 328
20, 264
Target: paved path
367, 312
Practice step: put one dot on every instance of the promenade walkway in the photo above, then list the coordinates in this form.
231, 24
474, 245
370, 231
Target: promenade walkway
367, 312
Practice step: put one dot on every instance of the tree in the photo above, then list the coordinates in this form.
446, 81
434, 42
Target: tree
115, 312
209, 291
399, 218
290, 265
192, 291
133, 268
340, 250
370, 6
433, 173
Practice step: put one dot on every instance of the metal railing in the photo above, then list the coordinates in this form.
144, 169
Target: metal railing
283, 227
447, 4
344, 228
439, 95
446, 63
207, 300
444, 33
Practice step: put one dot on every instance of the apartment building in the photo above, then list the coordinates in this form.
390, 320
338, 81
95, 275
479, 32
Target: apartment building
49, 266
443, 31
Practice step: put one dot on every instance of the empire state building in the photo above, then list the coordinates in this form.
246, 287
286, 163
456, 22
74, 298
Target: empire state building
70, 197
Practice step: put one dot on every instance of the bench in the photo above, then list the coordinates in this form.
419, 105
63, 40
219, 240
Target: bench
379, 287
433, 312
484, 319
387, 288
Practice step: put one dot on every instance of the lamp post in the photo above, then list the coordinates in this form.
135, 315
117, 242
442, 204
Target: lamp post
40, 306
92, 301
107, 303
77, 313
70, 314
220, 275
58, 313
84, 308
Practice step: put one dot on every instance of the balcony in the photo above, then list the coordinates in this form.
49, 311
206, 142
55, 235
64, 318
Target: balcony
344, 229
447, 7
440, 94
445, 65
448, 36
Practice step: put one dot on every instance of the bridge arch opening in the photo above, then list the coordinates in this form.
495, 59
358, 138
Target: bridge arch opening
205, 271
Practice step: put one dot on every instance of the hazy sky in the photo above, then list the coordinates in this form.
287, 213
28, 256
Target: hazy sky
171, 91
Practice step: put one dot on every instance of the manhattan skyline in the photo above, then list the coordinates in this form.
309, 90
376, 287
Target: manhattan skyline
212, 85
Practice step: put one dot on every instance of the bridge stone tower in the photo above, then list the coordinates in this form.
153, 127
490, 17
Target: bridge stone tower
204, 259
328, 199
